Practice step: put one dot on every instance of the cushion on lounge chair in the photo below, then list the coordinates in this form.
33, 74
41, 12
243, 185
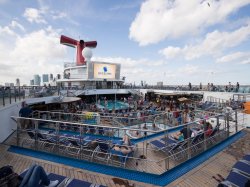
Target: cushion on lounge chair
235, 178
242, 167
158, 144
247, 158
79, 183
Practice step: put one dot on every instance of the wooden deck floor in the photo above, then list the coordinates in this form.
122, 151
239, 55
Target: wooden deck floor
200, 176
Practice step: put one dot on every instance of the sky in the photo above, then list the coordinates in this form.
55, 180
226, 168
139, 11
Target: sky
169, 41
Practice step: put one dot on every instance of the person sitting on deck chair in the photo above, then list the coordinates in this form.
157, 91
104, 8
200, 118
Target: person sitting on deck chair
125, 148
35, 176
182, 134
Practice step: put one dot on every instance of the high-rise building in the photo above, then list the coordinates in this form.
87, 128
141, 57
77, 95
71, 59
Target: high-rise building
45, 78
58, 76
17, 82
32, 82
37, 80
51, 77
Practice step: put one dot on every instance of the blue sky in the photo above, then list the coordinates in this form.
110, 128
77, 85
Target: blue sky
175, 41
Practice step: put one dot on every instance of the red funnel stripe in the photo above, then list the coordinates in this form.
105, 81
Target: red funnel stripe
74, 43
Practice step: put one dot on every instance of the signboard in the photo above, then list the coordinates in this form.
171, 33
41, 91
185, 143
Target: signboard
104, 71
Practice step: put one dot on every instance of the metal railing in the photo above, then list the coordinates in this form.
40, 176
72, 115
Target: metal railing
74, 139
9, 95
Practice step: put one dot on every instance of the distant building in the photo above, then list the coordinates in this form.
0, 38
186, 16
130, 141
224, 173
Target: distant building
32, 82
58, 76
159, 83
17, 82
45, 78
37, 80
7, 84
51, 77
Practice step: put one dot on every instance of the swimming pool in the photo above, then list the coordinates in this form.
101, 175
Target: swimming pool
117, 105
136, 128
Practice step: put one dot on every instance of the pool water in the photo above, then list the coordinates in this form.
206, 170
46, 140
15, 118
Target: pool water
132, 133
117, 105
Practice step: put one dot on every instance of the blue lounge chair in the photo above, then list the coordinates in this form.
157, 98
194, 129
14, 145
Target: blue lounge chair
158, 144
102, 151
247, 158
242, 168
122, 159
31, 140
80, 183
52, 177
169, 140
234, 179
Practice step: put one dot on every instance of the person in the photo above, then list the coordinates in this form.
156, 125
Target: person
34, 175
125, 148
237, 86
126, 140
208, 129
154, 127
178, 136
145, 128
182, 134
25, 112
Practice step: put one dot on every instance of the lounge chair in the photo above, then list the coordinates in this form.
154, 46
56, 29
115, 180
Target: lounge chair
212, 137
158, 144
80, 183
247, 158
169, 140
122, 159
52, 176
102, 151
234, 179
196, 141
31, 140
242, 168
46, 142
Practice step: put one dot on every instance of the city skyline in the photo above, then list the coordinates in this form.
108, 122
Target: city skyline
174, 42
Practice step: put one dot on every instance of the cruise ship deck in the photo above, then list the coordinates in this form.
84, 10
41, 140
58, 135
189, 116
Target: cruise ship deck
202, 175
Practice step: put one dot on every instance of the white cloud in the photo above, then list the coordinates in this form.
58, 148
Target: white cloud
161, 19
58, 15
6, 30
170, 52
37, 52
15, 24
213, 44
247, 61
188, 69
34, 15
237, 56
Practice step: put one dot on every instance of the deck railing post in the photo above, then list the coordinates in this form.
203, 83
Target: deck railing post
227, 123
19, 96
3, 97
57, 137
36, 137
236, 121
166, 143
189, 142
15, 93
205, 137
18, 131
10, 95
